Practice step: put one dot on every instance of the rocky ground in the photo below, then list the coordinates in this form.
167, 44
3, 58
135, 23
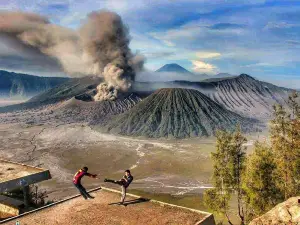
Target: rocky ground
286, 213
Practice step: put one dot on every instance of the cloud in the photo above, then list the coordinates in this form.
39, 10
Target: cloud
243, 32
207, 55
280, 25
150, 76
175, 34
202, 67
156, 55
99, 48
17, 56
39, 66
290, 83
198, 35
261, 65
223, 26
293, 42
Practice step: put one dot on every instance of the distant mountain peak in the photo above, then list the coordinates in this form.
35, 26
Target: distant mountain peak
243, 75
173, 67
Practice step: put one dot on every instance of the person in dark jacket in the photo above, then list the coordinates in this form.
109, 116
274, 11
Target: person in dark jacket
77, 181
124, 183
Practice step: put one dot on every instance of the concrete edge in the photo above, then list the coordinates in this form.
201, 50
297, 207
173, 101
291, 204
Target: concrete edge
208, 220
208, 215
159, 202
33, 178
46, 206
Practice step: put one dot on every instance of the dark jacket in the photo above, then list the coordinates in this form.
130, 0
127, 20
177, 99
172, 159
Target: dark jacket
128, 180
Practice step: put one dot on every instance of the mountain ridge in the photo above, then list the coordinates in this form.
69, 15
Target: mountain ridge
242, 94
25, 85
176, 113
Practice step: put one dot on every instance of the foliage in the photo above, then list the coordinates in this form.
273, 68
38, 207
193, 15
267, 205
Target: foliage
285, 142
260, 181
266, 177
36, 197
229, 163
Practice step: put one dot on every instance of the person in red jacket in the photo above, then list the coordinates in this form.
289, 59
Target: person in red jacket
77, 181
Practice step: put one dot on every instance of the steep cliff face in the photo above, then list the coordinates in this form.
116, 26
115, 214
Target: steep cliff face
248, 96
286, 213
23, 85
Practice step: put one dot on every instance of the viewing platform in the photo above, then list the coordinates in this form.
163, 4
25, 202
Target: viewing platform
103, 209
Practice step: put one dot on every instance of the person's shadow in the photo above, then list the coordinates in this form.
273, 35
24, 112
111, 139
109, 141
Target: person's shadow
131, 202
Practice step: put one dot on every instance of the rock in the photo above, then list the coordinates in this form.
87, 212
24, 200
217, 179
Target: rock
286, 213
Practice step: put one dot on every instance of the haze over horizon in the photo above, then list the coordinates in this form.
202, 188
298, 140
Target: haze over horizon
261, 38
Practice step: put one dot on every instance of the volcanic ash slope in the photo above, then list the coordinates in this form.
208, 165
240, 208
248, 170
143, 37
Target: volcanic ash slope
75, 110
176, 113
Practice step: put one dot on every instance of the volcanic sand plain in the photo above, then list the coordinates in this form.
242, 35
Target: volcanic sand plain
176, 171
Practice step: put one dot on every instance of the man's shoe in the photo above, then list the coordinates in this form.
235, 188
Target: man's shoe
91, 197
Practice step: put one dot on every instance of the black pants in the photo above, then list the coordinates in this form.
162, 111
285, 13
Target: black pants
114, 181
82, 191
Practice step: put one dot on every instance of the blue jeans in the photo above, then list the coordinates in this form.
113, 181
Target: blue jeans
82, 191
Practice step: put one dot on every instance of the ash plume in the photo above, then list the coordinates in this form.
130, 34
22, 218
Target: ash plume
100, 47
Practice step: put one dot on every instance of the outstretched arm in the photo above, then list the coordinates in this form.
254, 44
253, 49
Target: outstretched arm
91, 175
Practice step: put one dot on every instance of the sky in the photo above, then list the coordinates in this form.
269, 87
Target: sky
257, 37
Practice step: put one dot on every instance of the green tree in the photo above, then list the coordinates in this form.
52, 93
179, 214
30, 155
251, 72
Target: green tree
285, 142
294, 141
217, 199
237, 166
229, 163
268, 176
259, 183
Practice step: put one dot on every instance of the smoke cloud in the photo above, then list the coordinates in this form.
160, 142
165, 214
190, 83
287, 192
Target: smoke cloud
100, 47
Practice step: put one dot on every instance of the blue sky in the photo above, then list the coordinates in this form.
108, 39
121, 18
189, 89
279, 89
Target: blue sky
257, 37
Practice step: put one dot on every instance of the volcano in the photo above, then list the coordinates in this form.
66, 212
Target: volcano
174, 68
242, 94
76, 110
176, 113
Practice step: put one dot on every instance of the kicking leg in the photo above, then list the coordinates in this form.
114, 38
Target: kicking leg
113, 181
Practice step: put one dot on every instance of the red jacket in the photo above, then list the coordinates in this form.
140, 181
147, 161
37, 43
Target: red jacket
80, 173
